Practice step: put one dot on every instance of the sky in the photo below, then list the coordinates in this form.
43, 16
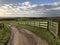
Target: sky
32, 1
29, 8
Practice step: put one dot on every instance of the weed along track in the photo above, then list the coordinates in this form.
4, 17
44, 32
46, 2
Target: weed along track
24, 37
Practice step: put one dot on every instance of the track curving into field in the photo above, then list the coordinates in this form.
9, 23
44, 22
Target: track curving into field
24, 37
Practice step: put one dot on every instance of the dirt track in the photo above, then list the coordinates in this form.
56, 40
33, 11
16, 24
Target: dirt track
24, 37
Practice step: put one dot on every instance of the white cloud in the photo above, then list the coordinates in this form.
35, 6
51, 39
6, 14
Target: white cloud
27, 9
56, 3
27, 3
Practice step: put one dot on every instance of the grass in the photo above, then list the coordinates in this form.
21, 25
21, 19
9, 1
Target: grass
4, 34
41, 32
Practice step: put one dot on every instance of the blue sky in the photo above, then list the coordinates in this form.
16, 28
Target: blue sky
43, 1
32, 1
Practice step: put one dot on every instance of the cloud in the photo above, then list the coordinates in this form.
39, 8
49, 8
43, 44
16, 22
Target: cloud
27, 3
27, 9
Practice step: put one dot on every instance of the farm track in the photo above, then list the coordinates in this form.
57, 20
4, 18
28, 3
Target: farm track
24, 37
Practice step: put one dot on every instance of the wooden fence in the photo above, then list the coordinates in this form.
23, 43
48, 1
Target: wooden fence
53, 27
50, 25
43, 24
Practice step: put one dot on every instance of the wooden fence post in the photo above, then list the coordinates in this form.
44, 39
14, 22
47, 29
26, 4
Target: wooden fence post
39, 24
48, 25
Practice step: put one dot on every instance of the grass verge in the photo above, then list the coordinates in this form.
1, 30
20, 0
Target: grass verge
4, 34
